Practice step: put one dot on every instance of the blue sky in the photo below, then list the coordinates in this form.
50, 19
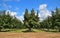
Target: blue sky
18, 6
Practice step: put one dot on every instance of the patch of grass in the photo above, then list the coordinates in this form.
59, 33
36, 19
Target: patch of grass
21, 30
18, 30
12, 30
28, 30
6, 30
51, 30
33, 30
37, 30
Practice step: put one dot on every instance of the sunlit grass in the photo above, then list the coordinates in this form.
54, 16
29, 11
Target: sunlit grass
20, 30
37, 30
26, 30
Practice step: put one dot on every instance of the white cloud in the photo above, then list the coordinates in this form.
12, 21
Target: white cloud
43, 11
11, 13
20, 17
43, 6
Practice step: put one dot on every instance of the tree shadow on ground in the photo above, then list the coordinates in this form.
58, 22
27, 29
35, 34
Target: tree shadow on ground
28, 31
8, 30
5, 31
49, 31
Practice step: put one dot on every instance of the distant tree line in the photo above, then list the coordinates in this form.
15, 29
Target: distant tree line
8, 21
52, 22
31, 20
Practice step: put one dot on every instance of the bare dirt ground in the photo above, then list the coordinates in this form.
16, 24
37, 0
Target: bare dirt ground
29, 35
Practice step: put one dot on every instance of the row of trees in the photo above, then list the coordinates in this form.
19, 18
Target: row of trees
52, 22
8, 21
11, 22
31, 20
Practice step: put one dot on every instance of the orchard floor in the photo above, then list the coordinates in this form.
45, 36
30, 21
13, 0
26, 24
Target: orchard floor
29, 35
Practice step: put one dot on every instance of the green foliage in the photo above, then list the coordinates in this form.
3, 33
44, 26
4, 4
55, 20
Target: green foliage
31, 20
52, 22
8, 21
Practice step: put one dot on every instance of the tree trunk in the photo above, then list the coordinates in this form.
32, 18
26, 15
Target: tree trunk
0, 30
48, 29
29, 29
59, 29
